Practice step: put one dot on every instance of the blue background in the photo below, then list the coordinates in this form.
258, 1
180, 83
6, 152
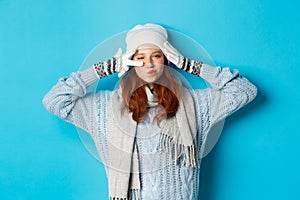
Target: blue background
42, 157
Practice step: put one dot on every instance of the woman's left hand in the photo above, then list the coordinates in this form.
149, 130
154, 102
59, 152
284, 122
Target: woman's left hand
172, 55
186, 64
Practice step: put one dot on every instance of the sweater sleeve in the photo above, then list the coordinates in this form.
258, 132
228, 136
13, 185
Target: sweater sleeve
68, 99
229, 91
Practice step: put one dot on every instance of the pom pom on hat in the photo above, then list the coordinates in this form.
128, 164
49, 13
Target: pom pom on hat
146, 34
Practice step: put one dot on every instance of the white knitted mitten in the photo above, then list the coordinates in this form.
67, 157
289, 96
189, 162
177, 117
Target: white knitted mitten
186, 64
119, 63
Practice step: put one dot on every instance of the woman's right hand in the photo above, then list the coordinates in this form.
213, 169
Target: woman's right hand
124, 61
119, 63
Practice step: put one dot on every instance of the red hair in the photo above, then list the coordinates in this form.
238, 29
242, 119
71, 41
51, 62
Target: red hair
167, 89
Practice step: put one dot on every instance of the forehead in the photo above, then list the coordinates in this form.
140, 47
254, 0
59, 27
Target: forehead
148, 48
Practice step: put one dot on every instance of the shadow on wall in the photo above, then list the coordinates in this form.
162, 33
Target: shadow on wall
208, 178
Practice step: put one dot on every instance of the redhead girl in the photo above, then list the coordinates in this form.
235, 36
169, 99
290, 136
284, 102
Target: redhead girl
151, 130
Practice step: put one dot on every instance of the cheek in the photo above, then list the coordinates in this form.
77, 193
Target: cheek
162, 68
138, 71
160, 61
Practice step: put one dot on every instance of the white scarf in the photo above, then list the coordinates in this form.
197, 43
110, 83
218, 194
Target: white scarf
123, 164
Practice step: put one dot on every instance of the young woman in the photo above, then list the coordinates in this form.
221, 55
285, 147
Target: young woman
150, 132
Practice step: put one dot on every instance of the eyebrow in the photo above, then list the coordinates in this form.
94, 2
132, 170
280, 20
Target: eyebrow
157, 51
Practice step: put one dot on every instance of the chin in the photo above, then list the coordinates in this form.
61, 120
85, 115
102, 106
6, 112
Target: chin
150, 80
146, 81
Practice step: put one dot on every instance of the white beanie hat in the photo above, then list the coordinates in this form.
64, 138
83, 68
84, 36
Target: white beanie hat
146, 34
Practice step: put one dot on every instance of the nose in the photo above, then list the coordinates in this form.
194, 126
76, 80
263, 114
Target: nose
148, 62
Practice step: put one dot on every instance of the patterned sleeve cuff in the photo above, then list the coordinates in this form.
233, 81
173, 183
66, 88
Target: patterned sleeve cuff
191, 66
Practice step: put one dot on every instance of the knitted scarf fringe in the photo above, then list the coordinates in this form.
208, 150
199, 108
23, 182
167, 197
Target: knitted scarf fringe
133, 193
187, 153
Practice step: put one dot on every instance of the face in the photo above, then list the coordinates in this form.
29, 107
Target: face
153, 59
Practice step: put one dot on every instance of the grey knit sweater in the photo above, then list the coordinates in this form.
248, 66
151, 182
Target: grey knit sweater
160, 178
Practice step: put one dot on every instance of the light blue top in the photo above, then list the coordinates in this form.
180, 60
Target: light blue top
160, 177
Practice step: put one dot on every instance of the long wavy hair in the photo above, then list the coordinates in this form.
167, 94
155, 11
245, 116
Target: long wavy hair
167, 89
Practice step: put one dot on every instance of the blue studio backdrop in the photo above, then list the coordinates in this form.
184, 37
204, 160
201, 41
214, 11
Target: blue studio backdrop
43, 157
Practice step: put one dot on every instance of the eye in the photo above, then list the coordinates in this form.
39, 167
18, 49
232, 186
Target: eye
139, 58
157, 55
